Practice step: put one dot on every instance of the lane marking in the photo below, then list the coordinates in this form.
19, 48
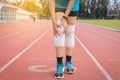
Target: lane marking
40, 68
101, 33
105, 35
102, 27
12, 34
22, 52
108, 77
114, 60
37, 59
43, 68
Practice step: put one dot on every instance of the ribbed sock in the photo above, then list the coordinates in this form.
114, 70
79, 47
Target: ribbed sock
59, 60
68, 58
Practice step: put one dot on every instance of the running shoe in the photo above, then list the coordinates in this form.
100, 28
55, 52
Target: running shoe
69, 68
60, 71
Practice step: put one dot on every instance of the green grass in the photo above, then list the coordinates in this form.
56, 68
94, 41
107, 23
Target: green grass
115, 24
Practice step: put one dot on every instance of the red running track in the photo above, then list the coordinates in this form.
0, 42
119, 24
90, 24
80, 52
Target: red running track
27, 52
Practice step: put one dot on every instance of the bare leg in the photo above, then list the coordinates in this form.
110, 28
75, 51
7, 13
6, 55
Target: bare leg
59, 49
70, 21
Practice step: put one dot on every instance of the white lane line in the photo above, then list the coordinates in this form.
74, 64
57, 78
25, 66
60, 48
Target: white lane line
22, 52
110, 37
108, 77
102, 27
113, 60
11, 34
37, 59
105, 35
43, 68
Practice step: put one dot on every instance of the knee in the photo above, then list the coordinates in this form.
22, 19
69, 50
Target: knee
60, 38
70, 31
69, 37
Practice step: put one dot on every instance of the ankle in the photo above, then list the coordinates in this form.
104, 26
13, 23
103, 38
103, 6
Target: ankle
68, 58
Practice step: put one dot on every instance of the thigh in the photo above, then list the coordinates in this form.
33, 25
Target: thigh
71, 20
59, 13
59, 16
72, 17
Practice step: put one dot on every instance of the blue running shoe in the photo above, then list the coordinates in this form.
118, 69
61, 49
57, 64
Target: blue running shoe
69, 68
60, 71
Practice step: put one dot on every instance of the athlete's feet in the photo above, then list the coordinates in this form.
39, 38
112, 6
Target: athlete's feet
60, 71
69, 68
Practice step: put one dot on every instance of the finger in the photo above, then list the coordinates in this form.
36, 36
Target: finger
56, 33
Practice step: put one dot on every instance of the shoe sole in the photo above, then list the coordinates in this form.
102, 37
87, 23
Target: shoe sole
62, 76
70, 72
59, 77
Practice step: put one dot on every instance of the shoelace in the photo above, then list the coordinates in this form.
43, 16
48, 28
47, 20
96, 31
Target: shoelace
69, 65
59, 68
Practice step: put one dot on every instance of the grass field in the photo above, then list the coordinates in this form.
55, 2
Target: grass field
115, 24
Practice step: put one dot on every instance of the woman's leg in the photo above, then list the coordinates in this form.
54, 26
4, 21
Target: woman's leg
69, 43
59, 39
59, 46
69, 40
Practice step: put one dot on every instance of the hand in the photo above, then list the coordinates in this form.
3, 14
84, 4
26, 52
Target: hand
55, 29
